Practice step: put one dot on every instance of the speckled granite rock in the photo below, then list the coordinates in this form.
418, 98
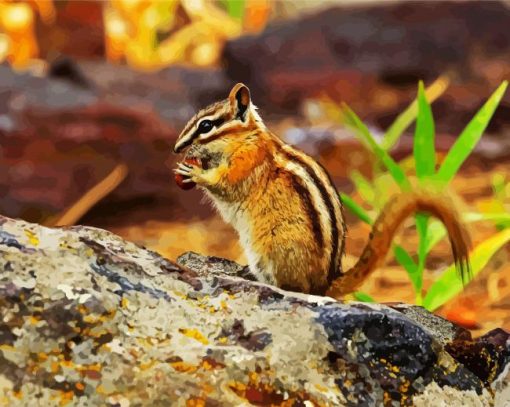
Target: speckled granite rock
90, 319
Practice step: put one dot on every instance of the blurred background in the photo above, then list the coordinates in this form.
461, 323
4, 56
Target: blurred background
94, 94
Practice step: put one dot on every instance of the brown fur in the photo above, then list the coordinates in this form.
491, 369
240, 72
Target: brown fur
284, 233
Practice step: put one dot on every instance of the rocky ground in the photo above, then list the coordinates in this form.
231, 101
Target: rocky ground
88, 318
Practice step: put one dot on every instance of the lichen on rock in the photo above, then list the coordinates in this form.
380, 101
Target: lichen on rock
90, 319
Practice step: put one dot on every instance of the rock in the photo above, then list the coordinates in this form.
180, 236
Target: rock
379, 51
90, 319
61, 134
400, 42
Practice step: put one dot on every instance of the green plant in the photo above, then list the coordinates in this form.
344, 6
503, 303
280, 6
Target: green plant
427, 173
235, 8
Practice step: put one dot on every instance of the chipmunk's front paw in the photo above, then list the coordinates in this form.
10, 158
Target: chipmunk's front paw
191, 173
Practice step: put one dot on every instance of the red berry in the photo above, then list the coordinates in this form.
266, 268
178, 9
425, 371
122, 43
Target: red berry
179, 179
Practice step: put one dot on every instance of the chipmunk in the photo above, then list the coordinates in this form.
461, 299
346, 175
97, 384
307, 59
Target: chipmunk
283, 204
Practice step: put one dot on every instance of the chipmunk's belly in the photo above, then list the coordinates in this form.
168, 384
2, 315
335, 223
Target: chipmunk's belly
239, 219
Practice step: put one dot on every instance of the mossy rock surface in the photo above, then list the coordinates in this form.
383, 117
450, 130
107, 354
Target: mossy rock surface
90, 319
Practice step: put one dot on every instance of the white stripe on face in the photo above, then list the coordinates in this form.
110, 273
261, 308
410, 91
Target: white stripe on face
190, 134
187, 138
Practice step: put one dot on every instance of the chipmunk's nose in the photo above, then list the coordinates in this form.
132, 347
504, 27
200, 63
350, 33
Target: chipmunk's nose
181, 144
178, 147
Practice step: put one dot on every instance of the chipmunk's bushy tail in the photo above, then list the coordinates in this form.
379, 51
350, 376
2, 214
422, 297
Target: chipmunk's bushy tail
385, 227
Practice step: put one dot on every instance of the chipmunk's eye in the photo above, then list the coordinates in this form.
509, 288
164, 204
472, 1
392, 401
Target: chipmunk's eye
205, 126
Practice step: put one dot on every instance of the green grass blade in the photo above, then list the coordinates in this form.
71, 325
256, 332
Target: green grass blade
363, 297
407, 117
494, 217
499, 185
425, 161
353, 121
356, 209
235, 8
422, 221
435, 233
450, 283
381, 184
364, 187
469, 137
406, 261
422, 229
436, 230
424, 151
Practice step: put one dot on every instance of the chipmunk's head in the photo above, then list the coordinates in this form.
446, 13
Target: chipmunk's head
227, 117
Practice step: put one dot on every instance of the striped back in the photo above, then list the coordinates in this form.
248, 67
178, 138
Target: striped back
326, 211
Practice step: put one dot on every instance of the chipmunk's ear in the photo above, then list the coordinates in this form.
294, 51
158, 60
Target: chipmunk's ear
239, 101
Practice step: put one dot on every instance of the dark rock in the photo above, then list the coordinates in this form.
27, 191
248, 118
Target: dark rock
409, 41
350, 53
65, 68
61, 134
486, 357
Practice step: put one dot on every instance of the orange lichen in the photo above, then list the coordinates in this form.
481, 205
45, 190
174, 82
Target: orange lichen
184, 367
42, 356
195, 334
90, 319
55, 367
34, 319
206, 365
32, 238
92, 371
67, 363
207, 388
404, 387
387, 400
260, 391
94, 366
254, 377
100, 389
237, 387
211, 364
148, 365
66, 397
321, 388
195, 402
82, 309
